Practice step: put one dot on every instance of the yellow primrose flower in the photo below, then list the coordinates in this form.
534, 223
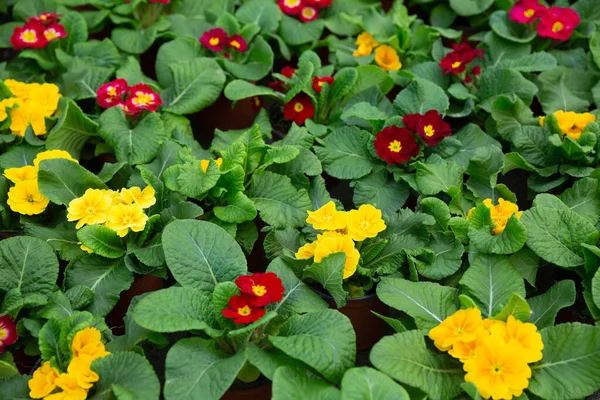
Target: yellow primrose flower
28, 113
52, 154
4, 104
462, 326
327, 218
366, 222
46, 96
22, 174
123, 217
145, 198
466, 350
25, 198
523, 333
204, 164
19, 89
91, 208
70, 387
336, 243
499, 369
363, 51
366, 39
500, 213
306, 251
43, 381
87, 342
79, 368
387, 58
573, 124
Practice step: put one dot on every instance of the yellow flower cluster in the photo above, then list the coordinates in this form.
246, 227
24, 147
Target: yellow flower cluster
204, 164
79, 378
385, 56
500, 213
495, 354
31, 104
118, 210
342, 229
572, 124
25, 197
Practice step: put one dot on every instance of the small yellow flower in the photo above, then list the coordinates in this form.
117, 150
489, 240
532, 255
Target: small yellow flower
22, 174
28, 113
25, 198
327, 218
500, 214
523, 333
43, 381
91, 208
79, 368
387, 58
306, 251
87, 342
52, 154
466, 350
573, 124
19, 89
542, 118
366, 39
144, 198
462, 326
4, 104
46, 96
71, 389
363, 51
331, 243
123, 217
366, 222
204, 163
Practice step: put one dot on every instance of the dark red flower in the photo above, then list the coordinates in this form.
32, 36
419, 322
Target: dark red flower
257, 102
476, 70
320, 3
453, 63
558, 23
264, 288
278, 85
111, 94
8, 332
299, 109
159, 1
214, 39
526, 11
287, 71
237, 42
317, 83
45, 18
290, 7
468, 79
29, 36
308, 13
395, 145
142, 97
431, 126
55, 31
241, 310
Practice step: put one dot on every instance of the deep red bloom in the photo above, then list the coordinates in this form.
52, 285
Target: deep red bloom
8, 332
264, 288
308, 13
159, 1
476, 70
55, 31
299, 109
468, 79
142, 97
526, 11
452, 63
111, 94
29, 36
320, 3
241, 310
257, 102
278, 85
237, 42
395, 145
45, 18
466, 53
287, 71
214, 39
558, 23
290, 7
317, 83
431, 126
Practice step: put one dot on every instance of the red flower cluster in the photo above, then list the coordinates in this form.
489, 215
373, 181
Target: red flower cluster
38, 32
299, 109
457, 61
133, 100
258, 291
317, 83
396, 145
555, 22
306, 10
8, 332
217, 40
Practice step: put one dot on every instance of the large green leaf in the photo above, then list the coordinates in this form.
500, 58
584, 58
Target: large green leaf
177, 51
509, 241
102, 240
421, 96
566, 89
468, 8
545, 306
72, 130
379, 190
134, 41
265, 13
125, 375
239, 209
201, 254
427, 302
294, 383
323, 340
471, 138
507, 29
240, 89
569, 368
295, 32
258, 63
329, 273
447, 251
62, 180
367, 383
405, 357
437, 175
584, 198
496, 82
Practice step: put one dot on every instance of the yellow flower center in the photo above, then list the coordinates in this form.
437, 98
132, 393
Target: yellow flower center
327, 217
395, 146
244, 311
234, 43
298, 107
292, 3
51, 34
142, 98
308, 12
458, 331
320, 84
43, 17
429, 131
29, 36
3, 334
365, 224
259, 290
112, 91
456, 64
496, 370
557, 27
90, 210
30, 198
529, 13
214, 41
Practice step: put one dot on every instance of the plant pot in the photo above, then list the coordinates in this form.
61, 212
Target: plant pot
369, 328
259, 390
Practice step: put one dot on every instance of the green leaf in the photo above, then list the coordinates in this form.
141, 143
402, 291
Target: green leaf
365, 111
329, 273
27, 264
239, 209
72, 130
291, 382
18, 156
196, 369
568, 369
471, 138
566, 89
190, 179
510, 115
468, 8
507, 29
509, 241
177, 51
421, 96
102, 240
329, 331
62, 180
367, 383
294, 32
49, 342
125, 375
427, 302
14, 387
583, 198
535, 62
258, 63
134, 41
405, 357
76, 28
382, 192
545, 306
437, 175
517, 307
239, 89
344, 83
497, 82
491, 281
526, 262
447, 251
201, 254
269, 361
262, 12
